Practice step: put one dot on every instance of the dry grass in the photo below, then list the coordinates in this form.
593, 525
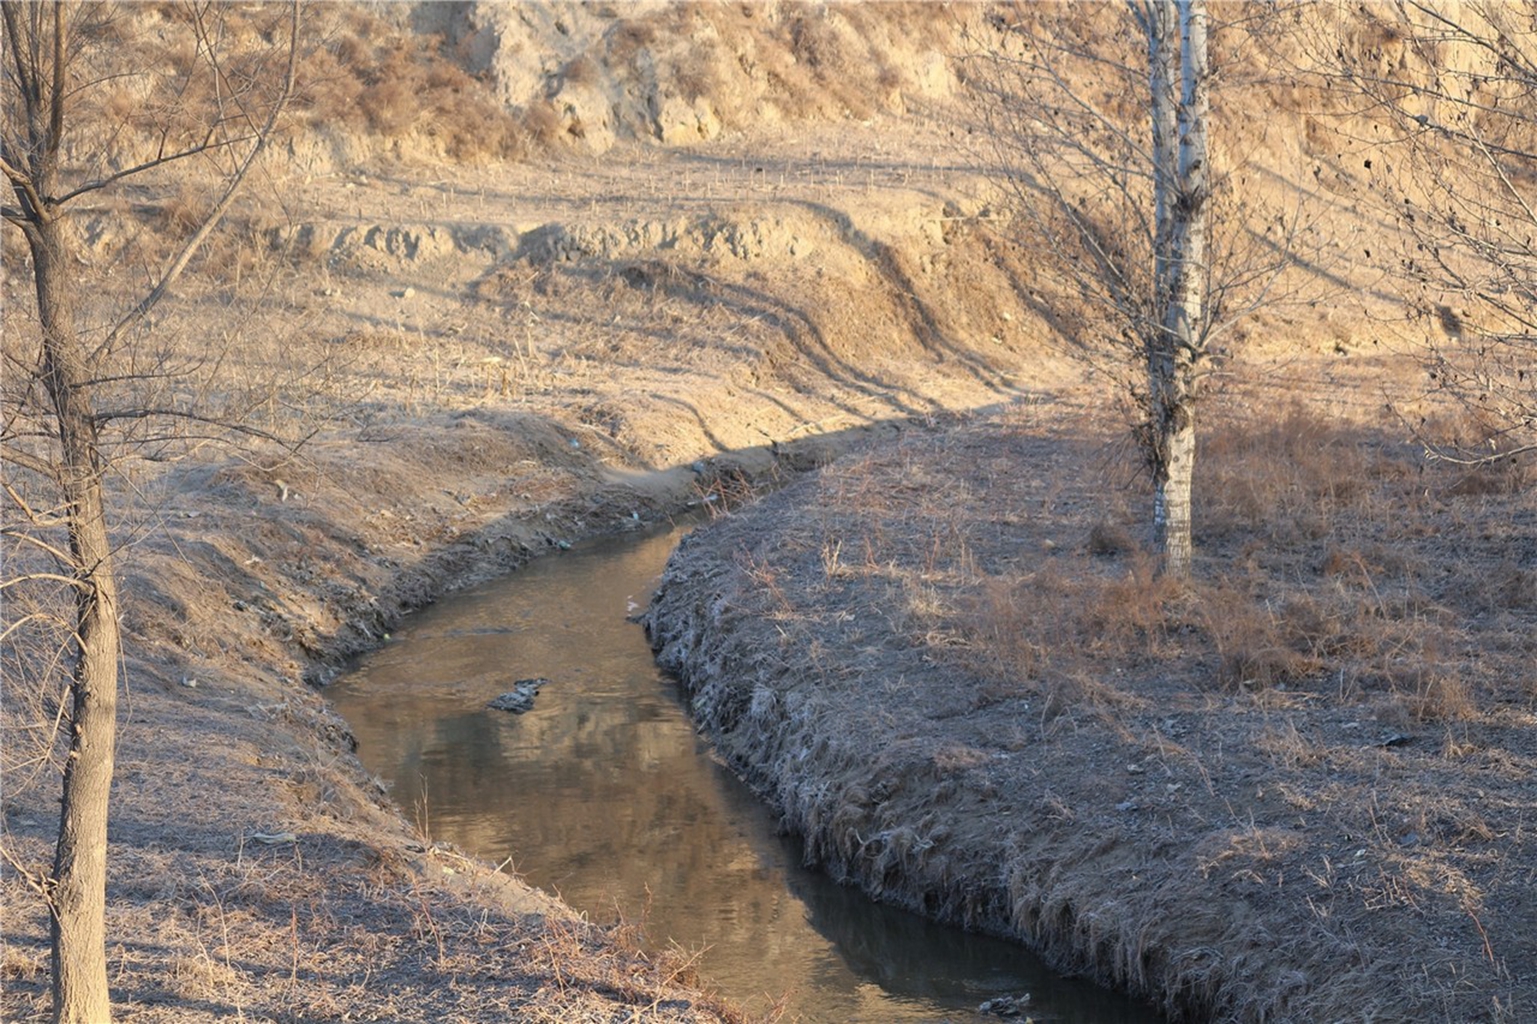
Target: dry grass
958, 617
405, 89
1250, 796
306, 931
1317, 574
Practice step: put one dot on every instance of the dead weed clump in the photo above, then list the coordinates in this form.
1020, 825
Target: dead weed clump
406, 91
1044, 622
1286, 478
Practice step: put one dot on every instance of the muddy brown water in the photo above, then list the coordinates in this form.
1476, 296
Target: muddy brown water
604, 794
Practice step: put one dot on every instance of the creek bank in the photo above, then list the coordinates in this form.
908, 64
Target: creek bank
250, 593
1217, 850
790, 710
604, 793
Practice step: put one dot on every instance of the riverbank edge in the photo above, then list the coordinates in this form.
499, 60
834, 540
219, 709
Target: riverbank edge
722, 624
273, 666
725, 682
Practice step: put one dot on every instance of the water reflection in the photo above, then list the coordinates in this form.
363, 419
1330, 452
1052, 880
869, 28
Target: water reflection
603, 794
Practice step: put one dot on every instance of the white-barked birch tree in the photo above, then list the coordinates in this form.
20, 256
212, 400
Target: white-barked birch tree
1100, 119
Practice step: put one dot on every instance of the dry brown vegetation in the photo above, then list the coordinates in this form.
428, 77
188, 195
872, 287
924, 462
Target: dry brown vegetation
255, 870
402, 92
308, 930
488, 84
1331, 558
953, 666
1297, 789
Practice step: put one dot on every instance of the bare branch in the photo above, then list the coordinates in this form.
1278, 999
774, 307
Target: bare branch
1458, 457
38, 881
58, 92
20, 68
106, 416
41, 467
22, 537
180, 261
26, 188
32, 577
52, 517
149, 165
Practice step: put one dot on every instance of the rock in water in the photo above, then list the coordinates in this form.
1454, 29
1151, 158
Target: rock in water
520, 698
1006, 1006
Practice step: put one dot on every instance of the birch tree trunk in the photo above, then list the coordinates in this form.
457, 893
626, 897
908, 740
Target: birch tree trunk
1179, 73
1101, 133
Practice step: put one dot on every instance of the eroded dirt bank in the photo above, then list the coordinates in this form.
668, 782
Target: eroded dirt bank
1296, 790
255, 870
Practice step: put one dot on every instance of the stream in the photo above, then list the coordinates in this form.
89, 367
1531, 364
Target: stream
605, 795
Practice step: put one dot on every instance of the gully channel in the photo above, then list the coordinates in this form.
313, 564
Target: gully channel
604, 794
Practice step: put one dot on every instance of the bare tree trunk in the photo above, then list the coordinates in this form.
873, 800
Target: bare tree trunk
78, 903
77, 888
1177, 53
1115, 196
40, 85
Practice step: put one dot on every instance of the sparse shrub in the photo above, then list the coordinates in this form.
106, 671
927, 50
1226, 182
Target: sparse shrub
1258, 648
1003, 615
1317, 608
178, 215
351, 52
390, 106
1041, 625
1476, 434
539, 124
697, 77
1490, 591
583, 70
1131, 614
409, 90
1109, 539
1504, 476
1443, 697
1287, 746
1287, 477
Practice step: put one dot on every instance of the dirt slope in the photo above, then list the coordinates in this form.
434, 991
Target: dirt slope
494, 375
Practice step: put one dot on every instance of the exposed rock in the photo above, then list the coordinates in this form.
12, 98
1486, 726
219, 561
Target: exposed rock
1006, 1006
520, 698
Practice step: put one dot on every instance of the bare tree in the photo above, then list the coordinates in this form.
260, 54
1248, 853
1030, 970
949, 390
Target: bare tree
1455, 88
55, 151
1101, 119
